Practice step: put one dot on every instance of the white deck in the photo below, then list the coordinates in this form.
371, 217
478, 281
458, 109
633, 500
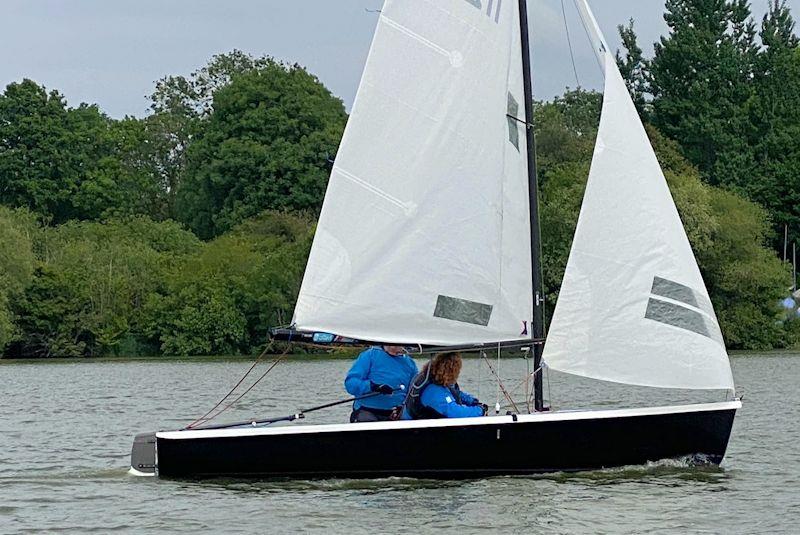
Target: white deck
556, 416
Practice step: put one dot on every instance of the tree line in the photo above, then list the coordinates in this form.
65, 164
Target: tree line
187, 231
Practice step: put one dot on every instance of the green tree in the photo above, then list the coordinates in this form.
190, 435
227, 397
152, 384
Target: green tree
701, 84
225, 297
181, 106
205, 322
193, 95
775, 113
66, 163
634, 68
91, 283
267, 145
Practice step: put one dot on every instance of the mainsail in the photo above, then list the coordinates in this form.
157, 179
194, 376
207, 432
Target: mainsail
424, 233
633, 307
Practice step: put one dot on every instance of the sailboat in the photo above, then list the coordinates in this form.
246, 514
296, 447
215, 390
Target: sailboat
429, 237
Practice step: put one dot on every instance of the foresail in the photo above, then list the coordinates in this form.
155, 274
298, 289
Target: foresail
633, 307
424, 232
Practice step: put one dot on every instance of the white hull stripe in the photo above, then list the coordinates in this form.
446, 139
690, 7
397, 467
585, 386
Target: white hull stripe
541, 417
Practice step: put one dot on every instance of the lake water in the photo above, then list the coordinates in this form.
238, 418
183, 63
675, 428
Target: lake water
66, 430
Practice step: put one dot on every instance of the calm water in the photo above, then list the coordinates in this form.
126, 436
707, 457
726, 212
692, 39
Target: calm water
66, 430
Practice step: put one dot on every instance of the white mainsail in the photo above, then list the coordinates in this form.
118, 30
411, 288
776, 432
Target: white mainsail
633, 307
424, 232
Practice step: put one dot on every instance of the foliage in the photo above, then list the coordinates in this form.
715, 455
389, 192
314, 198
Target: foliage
634, 68
136, 285
181, 107
17, 233
193, 96
91, 282
225, 298
700, 84
62, 162
267, 145
565, 133
775, 114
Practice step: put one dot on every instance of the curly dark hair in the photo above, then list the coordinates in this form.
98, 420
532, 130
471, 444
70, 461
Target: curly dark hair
445, 368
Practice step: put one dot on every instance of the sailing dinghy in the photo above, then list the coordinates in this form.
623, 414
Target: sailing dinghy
429, 236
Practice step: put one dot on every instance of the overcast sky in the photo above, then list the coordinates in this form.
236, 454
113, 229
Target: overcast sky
110, 52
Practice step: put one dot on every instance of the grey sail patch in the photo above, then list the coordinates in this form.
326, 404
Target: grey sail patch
680, 292
513, 122
674, 290
453, 308
677, 316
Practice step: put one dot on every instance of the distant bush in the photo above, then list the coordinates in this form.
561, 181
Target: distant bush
18, 229
90, 284
225, 297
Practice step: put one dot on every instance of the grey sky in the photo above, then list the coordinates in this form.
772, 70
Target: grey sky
110, 52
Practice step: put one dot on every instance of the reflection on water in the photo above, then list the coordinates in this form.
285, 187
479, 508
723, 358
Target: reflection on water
66, 431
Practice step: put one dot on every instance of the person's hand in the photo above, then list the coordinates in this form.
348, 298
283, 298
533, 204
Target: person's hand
485, 408
383, 389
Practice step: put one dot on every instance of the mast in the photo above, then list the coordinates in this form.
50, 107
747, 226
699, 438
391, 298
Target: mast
537, 331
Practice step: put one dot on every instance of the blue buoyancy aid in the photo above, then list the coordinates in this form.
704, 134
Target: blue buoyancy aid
375, 365
427, 400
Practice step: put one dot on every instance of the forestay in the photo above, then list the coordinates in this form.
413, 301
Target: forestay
423, 235
633, 307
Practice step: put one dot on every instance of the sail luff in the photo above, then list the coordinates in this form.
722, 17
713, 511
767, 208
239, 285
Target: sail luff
599, 45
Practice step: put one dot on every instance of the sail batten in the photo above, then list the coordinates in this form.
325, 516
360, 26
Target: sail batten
423, 233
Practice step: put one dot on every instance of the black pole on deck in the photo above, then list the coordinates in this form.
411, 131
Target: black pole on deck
291, 417
537, 331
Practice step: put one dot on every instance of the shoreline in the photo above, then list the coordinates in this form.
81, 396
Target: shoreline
301, 357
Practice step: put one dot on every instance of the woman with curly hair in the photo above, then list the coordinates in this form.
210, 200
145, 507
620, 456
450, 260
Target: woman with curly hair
435, 393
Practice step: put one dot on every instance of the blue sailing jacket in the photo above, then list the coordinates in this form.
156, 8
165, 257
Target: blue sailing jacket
375, 365
441, 399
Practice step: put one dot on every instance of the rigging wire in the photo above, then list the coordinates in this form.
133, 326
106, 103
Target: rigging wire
206, 418
480, 379
500, 385
230, 392
532, 376
569, 43
243, 394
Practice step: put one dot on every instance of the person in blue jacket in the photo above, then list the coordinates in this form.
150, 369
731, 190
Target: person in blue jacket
387, 370
434, 392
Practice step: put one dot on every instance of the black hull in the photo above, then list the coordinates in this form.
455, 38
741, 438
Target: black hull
452, 449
